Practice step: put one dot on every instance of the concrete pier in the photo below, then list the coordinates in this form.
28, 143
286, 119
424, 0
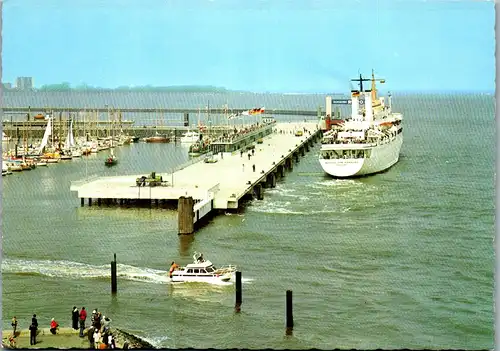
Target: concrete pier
218, 184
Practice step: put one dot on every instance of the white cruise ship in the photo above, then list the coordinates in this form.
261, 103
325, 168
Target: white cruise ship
368, 142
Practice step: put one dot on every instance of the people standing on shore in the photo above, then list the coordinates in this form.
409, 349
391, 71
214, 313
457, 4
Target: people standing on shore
53, 326
90, 336
97, 338
83, 318
34, 321
93, 317
111, 341
33, 329
75, 314
14, 325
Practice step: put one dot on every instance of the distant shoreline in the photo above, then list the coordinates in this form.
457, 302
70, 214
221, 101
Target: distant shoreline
217, 90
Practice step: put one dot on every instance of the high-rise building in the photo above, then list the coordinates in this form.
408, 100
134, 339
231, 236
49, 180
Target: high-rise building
24, 83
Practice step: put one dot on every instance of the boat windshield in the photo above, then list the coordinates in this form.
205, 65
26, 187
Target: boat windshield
210, 269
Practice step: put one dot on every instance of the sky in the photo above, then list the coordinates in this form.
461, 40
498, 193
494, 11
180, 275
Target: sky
252, 45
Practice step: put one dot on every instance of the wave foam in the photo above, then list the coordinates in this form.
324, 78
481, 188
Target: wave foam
77, 270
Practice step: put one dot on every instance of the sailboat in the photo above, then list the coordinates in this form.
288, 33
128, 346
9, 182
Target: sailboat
111, 160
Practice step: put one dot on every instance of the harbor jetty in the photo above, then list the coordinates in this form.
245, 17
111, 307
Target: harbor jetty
237, 168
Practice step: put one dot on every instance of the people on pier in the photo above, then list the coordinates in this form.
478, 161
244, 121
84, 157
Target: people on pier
53, 326
75, 316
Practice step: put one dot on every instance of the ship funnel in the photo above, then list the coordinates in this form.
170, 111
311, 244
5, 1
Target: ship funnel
328, 105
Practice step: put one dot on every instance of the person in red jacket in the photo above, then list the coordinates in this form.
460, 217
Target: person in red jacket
83, 318
53, 326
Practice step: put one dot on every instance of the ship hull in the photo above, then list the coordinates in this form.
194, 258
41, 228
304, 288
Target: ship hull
382, 158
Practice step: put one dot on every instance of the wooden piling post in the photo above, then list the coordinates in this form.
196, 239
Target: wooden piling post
237, 306
113, 275
90, 201
289, 312
185, 215
82, 201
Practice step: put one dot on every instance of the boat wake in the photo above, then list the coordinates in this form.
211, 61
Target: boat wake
77, 270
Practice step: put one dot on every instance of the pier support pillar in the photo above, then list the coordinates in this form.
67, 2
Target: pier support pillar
259, 193
90, 201
99, 202
271, 180
307, 146
280, 170
289, 163
295, 157
186, 215
302, 151
82, 200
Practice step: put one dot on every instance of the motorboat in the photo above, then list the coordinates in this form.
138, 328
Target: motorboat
202, 271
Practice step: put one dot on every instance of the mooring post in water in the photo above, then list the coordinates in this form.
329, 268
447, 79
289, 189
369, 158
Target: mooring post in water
289, 312
113, 275
237, 306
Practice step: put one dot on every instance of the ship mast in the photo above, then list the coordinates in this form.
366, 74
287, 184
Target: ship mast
374, 89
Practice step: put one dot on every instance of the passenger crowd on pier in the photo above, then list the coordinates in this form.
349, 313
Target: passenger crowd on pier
229, 137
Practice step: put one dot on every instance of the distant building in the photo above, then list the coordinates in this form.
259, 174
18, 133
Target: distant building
24, 83
7, 86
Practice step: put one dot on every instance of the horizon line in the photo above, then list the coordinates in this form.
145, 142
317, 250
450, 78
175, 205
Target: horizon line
220, 89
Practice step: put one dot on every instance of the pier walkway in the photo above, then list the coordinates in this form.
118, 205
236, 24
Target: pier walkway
217, 184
